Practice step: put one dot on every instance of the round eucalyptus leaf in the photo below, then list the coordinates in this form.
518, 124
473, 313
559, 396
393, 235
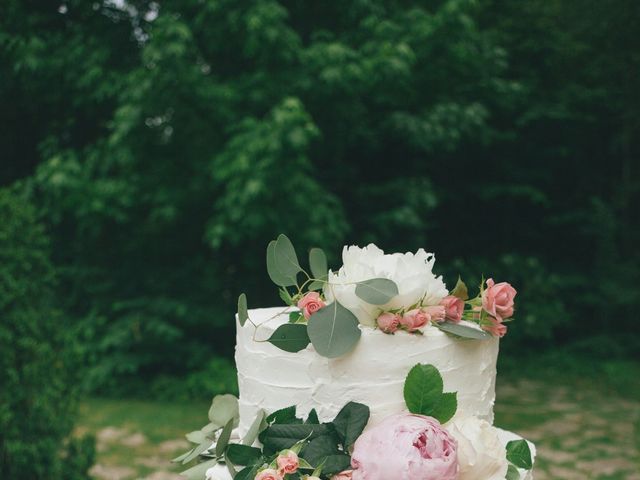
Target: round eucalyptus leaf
333, 330
318, 263
377, 291
223, 408
277, 276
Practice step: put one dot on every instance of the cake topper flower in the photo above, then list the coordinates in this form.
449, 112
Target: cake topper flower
391, 292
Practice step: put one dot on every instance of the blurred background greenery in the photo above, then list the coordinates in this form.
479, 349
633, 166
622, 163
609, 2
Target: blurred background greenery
150, 150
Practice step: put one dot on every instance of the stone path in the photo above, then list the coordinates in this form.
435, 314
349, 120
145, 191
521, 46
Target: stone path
581, 434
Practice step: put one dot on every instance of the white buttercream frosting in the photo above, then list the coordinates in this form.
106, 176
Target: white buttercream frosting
373, 373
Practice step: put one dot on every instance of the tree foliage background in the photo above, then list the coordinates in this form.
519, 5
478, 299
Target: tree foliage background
165, 143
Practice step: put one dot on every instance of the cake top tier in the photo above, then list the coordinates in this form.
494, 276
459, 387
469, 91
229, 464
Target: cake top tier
389, 292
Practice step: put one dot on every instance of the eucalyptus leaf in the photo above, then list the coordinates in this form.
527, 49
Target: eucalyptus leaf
350, 422
210, 428
278, 277
243, 454
243, 313
285, 296
180, 458
230, 466
377, 291
254, 429
290, 337
519, 453
460, 290
286, 258
198, 472
423, 393
196, 437
318, 263
315, 285
463, 331
333, 330
204, 446
223, 439
223, 408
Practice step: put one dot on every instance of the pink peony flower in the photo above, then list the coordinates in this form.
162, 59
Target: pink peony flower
435, 312
268, 474
310, 304
287, 462
388, 322
345, 475
496, 327
497, 299
454, 307
414, 319
405, 447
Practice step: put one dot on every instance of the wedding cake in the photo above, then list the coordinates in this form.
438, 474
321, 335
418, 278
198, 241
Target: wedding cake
374, 372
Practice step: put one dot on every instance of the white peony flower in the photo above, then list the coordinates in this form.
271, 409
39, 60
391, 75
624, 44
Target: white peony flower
412, 272
481, 454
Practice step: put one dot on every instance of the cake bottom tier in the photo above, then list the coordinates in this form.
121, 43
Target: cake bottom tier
220, 472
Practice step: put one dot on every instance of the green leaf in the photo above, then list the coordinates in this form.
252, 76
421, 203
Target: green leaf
198, 472
196, 437
230, 466
223, 408
333, 330
223, 439
512, 473
336, 463
180, 458
281, 279
350, 422
423, 393
295, 317
377, 291
312, 418
243, 313
285, 296
290, 337
243, 454
462, 331
460, 290
210, 428
286, 258
315, 285
247, 473
283, 436
205, 445
254, 429
284, 415
446, 408
519, 454
318, 263
319, 448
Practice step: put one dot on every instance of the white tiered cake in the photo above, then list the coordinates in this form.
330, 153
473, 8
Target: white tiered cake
394, 374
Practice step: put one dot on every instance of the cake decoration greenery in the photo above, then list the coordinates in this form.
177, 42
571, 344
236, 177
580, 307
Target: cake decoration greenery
394, 293
430, 439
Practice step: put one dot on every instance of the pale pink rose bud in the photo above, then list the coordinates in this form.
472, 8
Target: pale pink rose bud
435, 312
406, 446
345, 475
287, 462
496, 327
454, 307
268, 474
414, 319
497, 299
310, 304
388, 322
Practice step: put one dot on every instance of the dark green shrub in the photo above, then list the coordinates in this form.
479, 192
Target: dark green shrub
39, 374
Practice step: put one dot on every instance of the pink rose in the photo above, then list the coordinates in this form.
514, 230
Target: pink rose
405, 447
495, 327
268, 474
345, 475
388, 322
414, 319
310, 304
454, 307
497, 299
287, 462
435, 312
